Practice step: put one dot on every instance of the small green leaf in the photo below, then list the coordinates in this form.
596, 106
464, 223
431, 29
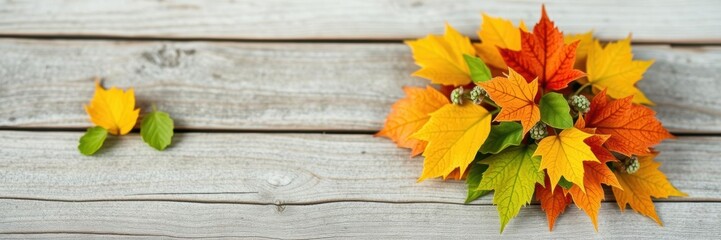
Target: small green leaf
479, 71
555, 111
502, 136
92, 140
565, 183
513, 175
475, 174
157, 129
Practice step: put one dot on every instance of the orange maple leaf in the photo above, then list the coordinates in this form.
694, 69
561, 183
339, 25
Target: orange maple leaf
544, 55
552, 202
594, 175
456, 175
639, 187
633, 128
596, 142
516, 97
409, 114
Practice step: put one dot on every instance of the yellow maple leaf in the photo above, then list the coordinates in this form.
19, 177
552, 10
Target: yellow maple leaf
454, 134
563, 156
410, 114
639, 187
113, 109
613, 68
516, 96
594, 174
585, 41
497, 32
441, 57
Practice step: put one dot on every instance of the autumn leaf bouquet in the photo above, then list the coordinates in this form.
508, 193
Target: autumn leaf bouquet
533, 112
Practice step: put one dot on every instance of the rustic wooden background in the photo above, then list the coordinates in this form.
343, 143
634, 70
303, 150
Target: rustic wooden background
275, 103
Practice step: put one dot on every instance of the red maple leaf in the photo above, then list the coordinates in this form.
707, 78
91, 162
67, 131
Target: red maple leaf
544, 55
633, 128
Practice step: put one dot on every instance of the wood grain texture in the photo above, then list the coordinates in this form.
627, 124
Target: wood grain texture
213, 85
269, 169
648, 20
342, 220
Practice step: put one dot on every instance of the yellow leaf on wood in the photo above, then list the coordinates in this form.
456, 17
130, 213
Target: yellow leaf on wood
494, 33
639, 187
612, 68
441, 57
454, 134
113, 109
563, 156
585, 41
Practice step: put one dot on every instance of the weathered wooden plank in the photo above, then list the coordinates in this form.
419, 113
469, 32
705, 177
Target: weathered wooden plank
207, 85
343, 220
648, 20
87, 235
269, 168
78, 235
283, 86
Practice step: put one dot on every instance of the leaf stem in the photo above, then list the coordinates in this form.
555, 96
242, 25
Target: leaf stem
489, 102
581, 88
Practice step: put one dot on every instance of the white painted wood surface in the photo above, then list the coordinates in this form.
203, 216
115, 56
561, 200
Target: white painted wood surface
284, 86
261, 168
649, 20
297, 186
341, 220
276, 184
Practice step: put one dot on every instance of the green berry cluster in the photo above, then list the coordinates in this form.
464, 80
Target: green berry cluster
580, 103
478, 94
632, 164
539, 131
457, 96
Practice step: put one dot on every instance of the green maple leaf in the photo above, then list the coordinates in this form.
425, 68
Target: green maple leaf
512, 174
475, 174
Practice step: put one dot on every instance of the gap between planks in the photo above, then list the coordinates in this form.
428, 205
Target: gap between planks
279, 41
281, 204
270, 131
